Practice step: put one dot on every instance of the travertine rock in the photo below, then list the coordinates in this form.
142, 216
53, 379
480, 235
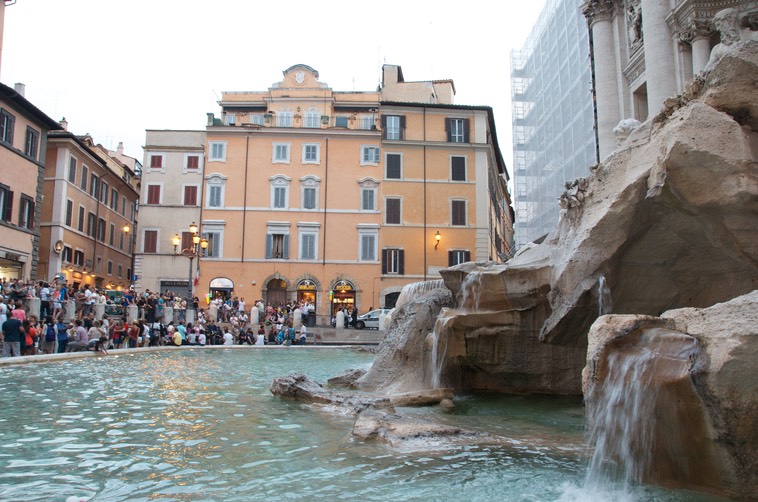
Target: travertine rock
705, 408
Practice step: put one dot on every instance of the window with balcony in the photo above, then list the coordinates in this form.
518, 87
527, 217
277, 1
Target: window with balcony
284, 119
311, 119
341, 122
257, 119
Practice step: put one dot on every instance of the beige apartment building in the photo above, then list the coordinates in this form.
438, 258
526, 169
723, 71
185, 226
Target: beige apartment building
172, 182
89, 214
23, 136
342, 198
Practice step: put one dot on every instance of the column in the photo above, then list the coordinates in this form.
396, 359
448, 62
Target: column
168, 315
659, 54
132, 313
701, 51
69, 310
189, 316
600, 15
33, 305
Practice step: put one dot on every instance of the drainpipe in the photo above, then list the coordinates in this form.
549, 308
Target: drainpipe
423, 239
326, 199
244, 200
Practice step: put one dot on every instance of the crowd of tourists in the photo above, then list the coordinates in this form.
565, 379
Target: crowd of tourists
224, 321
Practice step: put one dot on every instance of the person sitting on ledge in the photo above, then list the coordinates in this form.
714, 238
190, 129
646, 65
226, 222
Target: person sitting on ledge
176, 339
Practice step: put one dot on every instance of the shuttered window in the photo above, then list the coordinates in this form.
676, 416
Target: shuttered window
392, 210
393, 261
457, 130
393, 166
150, 241
457, 256
153, 194
458, 212
458, 168
190, 195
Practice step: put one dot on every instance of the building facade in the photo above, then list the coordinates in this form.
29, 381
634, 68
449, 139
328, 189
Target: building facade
172, 183
89, 214
339, 197
23, 139
644, 51
553, 116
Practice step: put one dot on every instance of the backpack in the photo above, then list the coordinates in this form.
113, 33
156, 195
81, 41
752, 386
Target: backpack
50, 334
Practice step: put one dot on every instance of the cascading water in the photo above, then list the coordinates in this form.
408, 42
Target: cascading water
604, 300
621, 410
416, 289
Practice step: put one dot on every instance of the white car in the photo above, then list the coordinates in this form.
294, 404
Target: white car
370, 319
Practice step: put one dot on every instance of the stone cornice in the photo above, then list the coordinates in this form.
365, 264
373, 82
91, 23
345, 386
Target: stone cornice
598, 10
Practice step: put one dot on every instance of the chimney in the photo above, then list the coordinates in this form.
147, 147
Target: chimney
120, 148
20, 89
211, 118
64, 124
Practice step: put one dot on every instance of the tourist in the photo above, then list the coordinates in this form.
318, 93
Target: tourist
32, 336
134, 332
12, 331
99, 345
62, 334
117, 334
228, 338
303, 334
81, 338
201, 338
45, 299
182, 330
95, 332
50, 335
176, 340
3, 310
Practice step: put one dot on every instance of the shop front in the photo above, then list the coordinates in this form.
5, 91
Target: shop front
11, 265
306, 292
221, 287
342, 295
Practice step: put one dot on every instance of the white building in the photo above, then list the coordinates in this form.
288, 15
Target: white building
644, 51
553, 116
171, 196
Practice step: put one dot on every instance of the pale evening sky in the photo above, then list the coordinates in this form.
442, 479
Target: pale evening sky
114, 69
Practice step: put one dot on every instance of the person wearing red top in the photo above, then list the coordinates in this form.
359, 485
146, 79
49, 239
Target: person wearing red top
134, 332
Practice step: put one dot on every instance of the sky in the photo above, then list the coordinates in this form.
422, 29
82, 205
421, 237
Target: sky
114, 69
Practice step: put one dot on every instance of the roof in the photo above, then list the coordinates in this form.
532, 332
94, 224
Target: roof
21, 102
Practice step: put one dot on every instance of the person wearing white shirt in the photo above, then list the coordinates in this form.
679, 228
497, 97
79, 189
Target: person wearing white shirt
201, 338
228, 339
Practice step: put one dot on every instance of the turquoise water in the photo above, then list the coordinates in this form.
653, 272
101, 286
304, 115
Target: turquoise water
202, 425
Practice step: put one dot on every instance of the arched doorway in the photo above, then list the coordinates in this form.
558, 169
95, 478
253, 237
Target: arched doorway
343, 295
221, 287
306, 291
276, 292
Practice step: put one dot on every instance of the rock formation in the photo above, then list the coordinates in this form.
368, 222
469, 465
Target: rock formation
669, 220
699, 383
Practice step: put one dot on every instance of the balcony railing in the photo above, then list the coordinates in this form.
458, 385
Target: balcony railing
360, 123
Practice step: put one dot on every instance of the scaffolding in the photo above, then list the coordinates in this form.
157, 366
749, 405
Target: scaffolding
552, 114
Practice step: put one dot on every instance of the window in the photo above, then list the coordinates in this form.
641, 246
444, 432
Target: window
367, 123
218, 151
458, 212
458, 168
123, 205
191, 162
368, 196
72, 170
230, 119
104, 192
31, 146
214, 190
101, 230
69, 212
214, 243
150, 241
457, 256
340, 121
7, 124
80, 224
91, 224
277, 246
112, 235
311, 120
311, 153
393, 127
94, 186
190, 195
120, 270
392, 206
309, 191
257, 119
281, 153
67, 254
284, 119
156, 162
370, 155
394, 166
79, 258
457, 130
280, 191
367, 244
6, 203
83, 181
309, 198
110, 267
114, 199
308, 244
121, 240
26, 215
153, 194
393, 261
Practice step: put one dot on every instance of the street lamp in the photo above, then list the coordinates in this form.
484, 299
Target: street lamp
195, 249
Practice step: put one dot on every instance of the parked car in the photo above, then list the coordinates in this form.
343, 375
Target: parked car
370, 319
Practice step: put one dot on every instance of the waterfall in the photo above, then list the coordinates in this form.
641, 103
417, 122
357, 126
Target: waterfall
621, 410
471, 291
416, 289
439, 348
604, 300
